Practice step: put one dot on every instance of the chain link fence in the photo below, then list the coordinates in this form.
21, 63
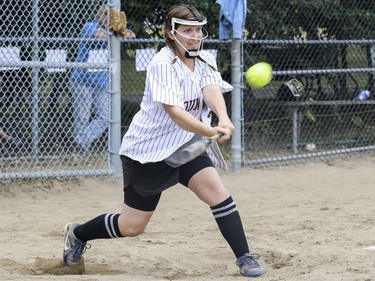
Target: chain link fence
54, 90
326, 45
329, 47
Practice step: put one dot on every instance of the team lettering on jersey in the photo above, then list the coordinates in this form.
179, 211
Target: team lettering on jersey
191, 105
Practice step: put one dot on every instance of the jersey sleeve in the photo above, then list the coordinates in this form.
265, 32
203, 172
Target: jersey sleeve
211, 76
165, 85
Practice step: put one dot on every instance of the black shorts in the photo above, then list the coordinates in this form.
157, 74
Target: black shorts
143, 183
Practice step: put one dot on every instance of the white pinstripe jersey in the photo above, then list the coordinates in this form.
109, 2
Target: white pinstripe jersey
152, 135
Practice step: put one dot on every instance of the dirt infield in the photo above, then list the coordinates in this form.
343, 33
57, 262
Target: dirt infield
308, 222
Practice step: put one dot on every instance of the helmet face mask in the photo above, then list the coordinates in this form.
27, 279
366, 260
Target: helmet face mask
196, 22
291, 90
175, 22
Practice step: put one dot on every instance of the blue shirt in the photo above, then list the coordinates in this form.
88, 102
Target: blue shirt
83, 75
232, 16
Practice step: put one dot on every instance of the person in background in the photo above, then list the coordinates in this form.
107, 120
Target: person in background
14, 86
182, 88
8, 142
89, 87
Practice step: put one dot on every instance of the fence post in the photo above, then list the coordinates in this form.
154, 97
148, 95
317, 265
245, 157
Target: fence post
114, 131
236, 103
35, 79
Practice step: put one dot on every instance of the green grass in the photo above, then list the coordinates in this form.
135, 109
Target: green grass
132, 81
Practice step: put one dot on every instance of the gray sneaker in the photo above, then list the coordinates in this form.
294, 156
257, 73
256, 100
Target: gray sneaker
73, 247
249, 267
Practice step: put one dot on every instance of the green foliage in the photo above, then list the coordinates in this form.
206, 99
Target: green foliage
146, 18
337, 114
357, 121
132, 81
310, 115
318, 19
261, 128
266, 19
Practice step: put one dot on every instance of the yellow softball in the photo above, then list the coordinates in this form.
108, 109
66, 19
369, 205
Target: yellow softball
259, 75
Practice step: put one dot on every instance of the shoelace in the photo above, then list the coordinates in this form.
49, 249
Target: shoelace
80, 249
249, 259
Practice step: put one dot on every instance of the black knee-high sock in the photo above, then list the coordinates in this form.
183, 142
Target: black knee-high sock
230, 225
101, 227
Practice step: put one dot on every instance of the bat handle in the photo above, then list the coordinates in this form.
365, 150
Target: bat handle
217, 136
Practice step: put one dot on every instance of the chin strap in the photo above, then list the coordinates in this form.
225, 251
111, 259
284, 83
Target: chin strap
192, 54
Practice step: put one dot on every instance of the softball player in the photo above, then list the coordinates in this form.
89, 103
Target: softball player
182, 87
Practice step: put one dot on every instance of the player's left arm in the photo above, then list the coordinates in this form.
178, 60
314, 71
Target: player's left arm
215, 101
188, 122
